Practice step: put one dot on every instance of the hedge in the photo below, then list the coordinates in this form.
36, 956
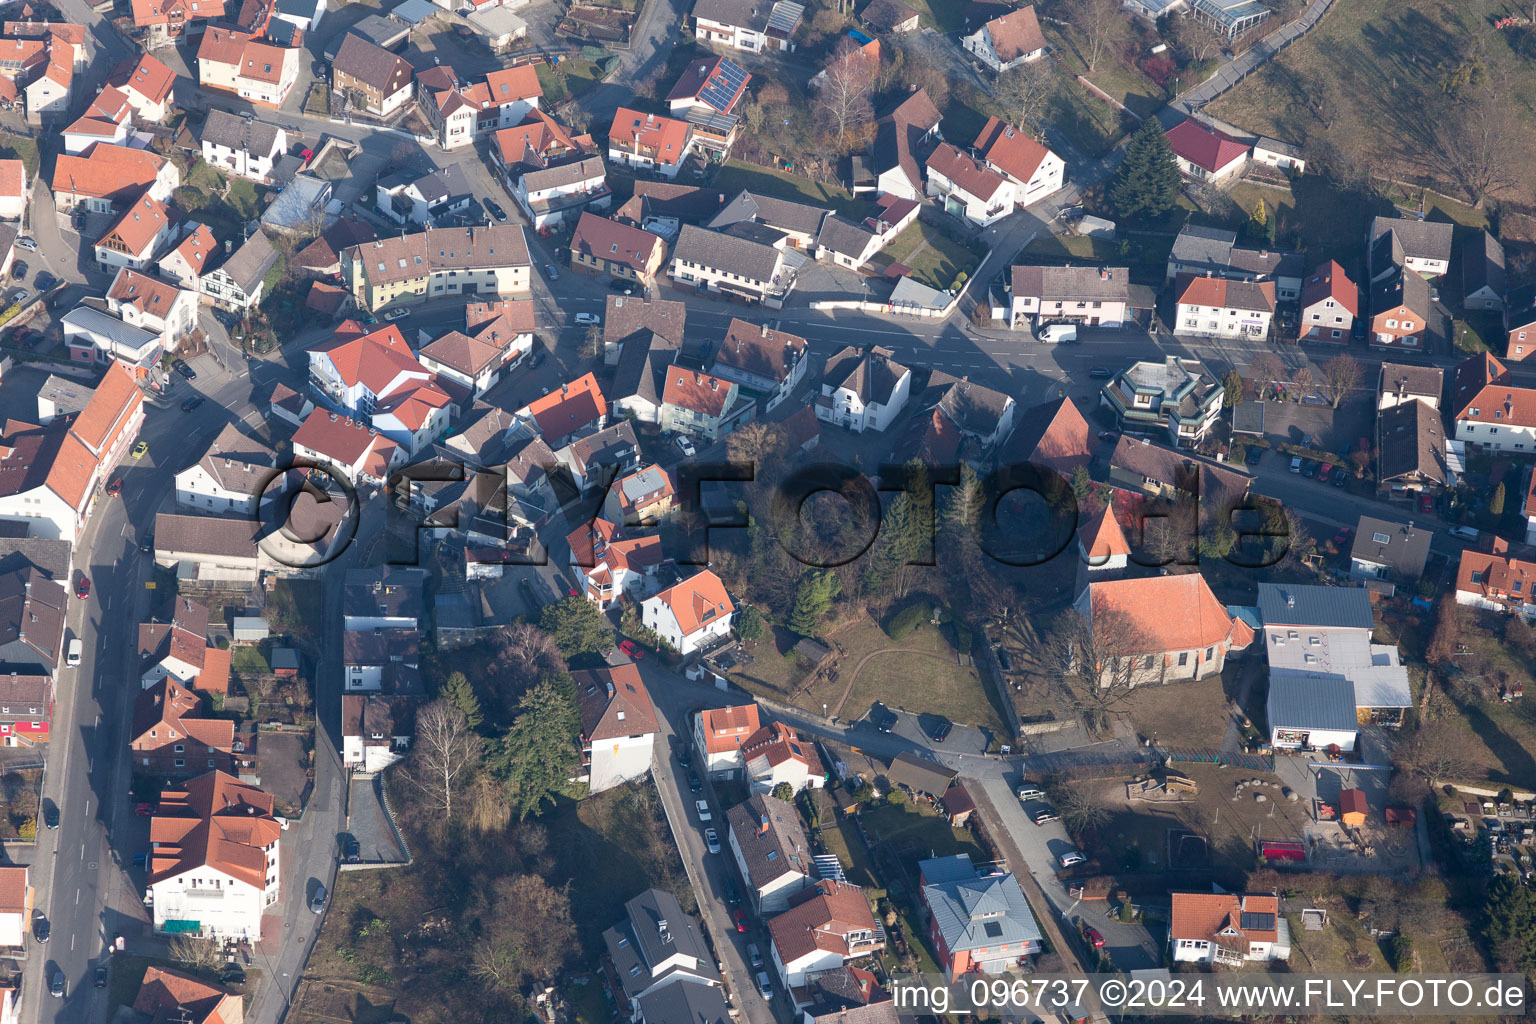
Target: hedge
906, 620
962, 638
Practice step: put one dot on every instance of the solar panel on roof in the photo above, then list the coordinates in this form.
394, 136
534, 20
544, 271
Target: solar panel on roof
723, 85
1258, 922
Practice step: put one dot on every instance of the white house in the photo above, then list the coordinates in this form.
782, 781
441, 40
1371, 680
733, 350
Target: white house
1206, 153
242, 146
239, 282
548, 194
152, 305
410, 197
368, 655
229, 478
775, 755
1215, 307
771, 850
376, 730
15, 907
1489, 410
967, 187
303, 14
649, 142
497, 337
733, 265
1004, 43
13, 189
826, 926
360, 454
718, 736
901, 137
690, 615
136, 237
768, 362
863, 390
1329, 304
610, 566
618, 726
1227, 928
747, 25
1095, 296
1035, 171
185, 263
214, 867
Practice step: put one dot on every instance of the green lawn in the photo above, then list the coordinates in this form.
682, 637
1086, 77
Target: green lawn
14, 147
936, 259
737, 175
1382, 61
944, 15
247, 658
571, 78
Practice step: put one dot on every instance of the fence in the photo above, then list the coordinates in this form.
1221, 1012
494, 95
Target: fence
1222, 758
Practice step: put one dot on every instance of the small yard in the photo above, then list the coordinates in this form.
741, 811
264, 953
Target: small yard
937, 259
737, 175
569, 79
1164, 711
15, 147
943, 15
297, 608
1507, 732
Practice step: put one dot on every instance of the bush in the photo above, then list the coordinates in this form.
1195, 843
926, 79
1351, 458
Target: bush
222, 643
962, 638
896, 797
908, 619
1402, 953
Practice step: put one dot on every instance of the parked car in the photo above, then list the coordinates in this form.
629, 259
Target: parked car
712, 840
192, 403
41, 929
1309, 468
83, 587
27, 243
1340, 476
496, 210
554, 275
141, 449
883, 717
694, 785
538, 357
686, 445
44, 281
588, 319
754, 955
1046, 815
939, 730
1426, 502
1031, 791
1253, 454
1004, 662
19, 270
147, 543
621, 286
739, 918
351, 850
21, 297
634, 650
101, 975
1296, 464
115, 487
1060, 333
185, 370
1464, 533
50, 814
317, 902
1100, 373
1092, 937
702, 807
57, 985
143, 809
685, 756
732, 897
233, 974
398, 313
1070, 858
764, 986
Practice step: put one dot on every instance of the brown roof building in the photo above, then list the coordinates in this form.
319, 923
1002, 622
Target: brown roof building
171, 736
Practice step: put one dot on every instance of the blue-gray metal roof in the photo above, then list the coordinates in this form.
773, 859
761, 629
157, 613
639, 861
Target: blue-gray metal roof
414, 12
1290, 604
1310, 700
684, 1003
981, 912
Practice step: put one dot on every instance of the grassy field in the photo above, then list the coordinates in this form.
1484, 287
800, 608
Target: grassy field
936, 259
737, 175
1383, 61
15, 147
1507, 731
935, 685
571, 78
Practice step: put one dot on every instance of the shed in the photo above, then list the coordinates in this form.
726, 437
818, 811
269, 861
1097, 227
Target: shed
1400, 817
813, 651
285, 661
957, 803
1248, 418
250, 629
1352, 807
1090, 226
919, 774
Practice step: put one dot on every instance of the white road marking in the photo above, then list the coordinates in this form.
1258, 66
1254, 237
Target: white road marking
125, 531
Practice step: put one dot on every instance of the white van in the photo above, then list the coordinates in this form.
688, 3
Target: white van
1060, 333
1467, 533
76, 649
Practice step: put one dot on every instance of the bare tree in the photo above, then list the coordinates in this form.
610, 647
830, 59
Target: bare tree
1102, 23
592, 344
528, 651
752, 443
845, 90
1340, 376
1472, 141
1024, 92
1304, 381
195, 951
1080, 811
1197, 38
1106, 657
1265, 370
445, 752
529, 933
1439, 752
1321, 93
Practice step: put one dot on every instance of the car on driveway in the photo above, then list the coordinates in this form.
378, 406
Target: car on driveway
1253, 454
939, 730
712, 840
588, 319
19, 270
1426, 503
739, 918
496, 210
1046, 815
1092, 937
185, 370
686, 446
83, 587
1070, 858
141, 449
634, 650
21, 297
398, 313
27, 243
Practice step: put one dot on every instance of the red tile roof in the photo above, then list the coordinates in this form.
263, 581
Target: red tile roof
1481, 393
148, 295
821, 921
164, 991
339, 438
726, 729
1222, 293
1103, 538
1497, 577
13, 890
626, 711
136, 229
216, 822
1010, 150
106, 171
966, 171
13, 178
1167, 613
696, 76
698, 600
375, 359
512, 84
110, 408
1218, 917
1329, 281
1203, 145
664, 135
700, 392
567, 410
147, 76
609, 240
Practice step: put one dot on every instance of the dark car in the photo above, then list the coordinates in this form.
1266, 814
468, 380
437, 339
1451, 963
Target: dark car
526, 589
233, 974
19, 270
192, 403
1253, 455
538, 357
349, 848
883, 717
185, 370
1100, 373
50, 814
496, 210
41, 929
684, 756
147, 543
1004, 662
1340, 476
694, 785
25, 338
939, 730
44, 281
101, 976
1309, 467
56, 987
732, 897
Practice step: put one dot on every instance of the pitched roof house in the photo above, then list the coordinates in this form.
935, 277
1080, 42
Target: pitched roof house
1096, 296
979, 920
1330, 301
770, 362
901, 138
1483, 281
649, 142
364, 68
618, 725
771, 850
967, 187
690, 615
1410, 449
863, 389
1497, 580
1161, 628
1488, 409
1404, 382
1410, 244
1227, 928
1216, 307
1052, 434
361, 454
1036, 170
170, 736
166, 996
1395, 552
719, 734
656, 945
1204, 152
620, 249
179, 650
826, 926
775, 755
1004, 42
959, 418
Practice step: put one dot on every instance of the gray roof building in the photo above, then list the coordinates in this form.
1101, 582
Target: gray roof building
1389, 551
49, 557
979, 911
715, 250
919, 774
844, 237
657, 944
1406, 380
394, 592
239, 133
1482, 267
770, 844
873, 375
684, 1004
32, 610
1410, 445
1105, 284
209, 536
1421, 239
798, 218
237, 463
1298, 604
1312, 701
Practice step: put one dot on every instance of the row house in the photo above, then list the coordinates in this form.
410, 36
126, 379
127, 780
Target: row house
1400, 311
771, 849
360, 454
595, 460
575, 409
26, 710
649, 142
769, 363
32, 612
732, 265
376, 730
108, 119
788, 224
172, 736
1095, 296
382, 658
776, 756
1330, 301
547, 195
461, 112
253, 69
153, 305
610, 566
109, 176
1215, 307
497, 336
1520, 324
374, 378
967, 187
625, 252
159, 22
1213, 252
14, 192
749, 25
690, 615
180, 650
47, 96
484, 262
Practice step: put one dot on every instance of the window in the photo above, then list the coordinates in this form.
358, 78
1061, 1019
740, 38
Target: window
1208, 652
1183, 658
180, 748
1381, 538
1391, 323
1146, 662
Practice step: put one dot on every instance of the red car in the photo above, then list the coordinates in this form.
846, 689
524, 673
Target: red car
740, 917
83, 587
145, 809
115, 487
1094, 938
1426, 503
632, 649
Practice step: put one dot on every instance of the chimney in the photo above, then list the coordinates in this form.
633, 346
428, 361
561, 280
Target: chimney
762, 825
661, 929
1290, 599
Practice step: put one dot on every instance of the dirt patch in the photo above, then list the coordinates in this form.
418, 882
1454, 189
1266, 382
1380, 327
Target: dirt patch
285, 769
327, 1001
